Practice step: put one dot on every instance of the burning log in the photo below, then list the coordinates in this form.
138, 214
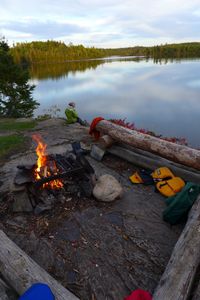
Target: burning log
51, 178
178, 153
21, 271
44, 169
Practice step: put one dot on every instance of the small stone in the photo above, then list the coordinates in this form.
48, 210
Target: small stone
107, 188
18, 188
19, 222
21, 202
40, 208
22, 178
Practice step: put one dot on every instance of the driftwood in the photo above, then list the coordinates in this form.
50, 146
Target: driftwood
151, 161
177, 280
178, 153
197, 293
6, 293
21, 271
3, 294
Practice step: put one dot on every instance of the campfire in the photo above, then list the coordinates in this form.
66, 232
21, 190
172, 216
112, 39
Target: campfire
45, 168
54, 178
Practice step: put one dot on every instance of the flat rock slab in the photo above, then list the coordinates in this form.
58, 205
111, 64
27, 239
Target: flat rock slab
97, 250
106, 250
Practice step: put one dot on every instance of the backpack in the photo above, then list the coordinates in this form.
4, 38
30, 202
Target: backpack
179, 205
167, 183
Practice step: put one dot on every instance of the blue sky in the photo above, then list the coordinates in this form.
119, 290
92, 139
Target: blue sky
101, 23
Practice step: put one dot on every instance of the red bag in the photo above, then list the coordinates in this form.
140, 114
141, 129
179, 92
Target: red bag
139, 295
93, 130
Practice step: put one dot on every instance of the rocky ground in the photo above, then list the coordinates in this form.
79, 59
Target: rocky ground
97, 250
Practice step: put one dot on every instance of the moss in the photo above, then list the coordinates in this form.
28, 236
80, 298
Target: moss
15, 124
10, 143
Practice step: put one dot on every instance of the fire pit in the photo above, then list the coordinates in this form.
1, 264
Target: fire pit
53, 177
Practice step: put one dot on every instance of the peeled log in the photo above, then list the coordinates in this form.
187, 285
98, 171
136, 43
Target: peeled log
177, 153
177, 280
21, 271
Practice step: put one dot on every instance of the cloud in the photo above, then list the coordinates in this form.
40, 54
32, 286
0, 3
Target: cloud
40, 29
102, 23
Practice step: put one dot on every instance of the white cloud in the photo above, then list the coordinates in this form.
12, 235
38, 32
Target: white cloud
102, 23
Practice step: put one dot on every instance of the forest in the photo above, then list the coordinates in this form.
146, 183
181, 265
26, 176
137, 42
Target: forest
54, 52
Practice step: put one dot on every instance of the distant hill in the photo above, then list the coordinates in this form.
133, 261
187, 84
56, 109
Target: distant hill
53, 51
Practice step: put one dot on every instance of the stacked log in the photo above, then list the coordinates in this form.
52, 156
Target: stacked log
178, 278
175, 152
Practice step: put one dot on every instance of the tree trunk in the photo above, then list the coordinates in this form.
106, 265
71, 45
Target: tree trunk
21, 271
177, 280
178, 153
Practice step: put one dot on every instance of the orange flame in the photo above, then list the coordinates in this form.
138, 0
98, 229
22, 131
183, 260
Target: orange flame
42, 169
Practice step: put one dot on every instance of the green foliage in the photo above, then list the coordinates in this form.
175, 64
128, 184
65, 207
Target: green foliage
53, 111
43, 117
124, 123
9, 143
54, 52
182, 50
12, 124
15, 92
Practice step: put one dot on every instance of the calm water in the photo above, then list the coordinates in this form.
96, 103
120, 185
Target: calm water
161, 97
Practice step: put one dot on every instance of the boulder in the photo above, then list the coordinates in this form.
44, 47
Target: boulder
107, 188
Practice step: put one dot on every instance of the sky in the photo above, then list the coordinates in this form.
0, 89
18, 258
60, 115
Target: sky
101, 23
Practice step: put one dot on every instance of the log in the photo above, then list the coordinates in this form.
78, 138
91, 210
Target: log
6, 293
21, 271
150, 161
177, 280
106, 141
178, 153
196, 295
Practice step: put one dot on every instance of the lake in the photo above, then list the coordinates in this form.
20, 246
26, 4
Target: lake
161, 96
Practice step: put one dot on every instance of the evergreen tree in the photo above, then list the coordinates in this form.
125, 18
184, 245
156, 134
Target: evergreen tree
15, 92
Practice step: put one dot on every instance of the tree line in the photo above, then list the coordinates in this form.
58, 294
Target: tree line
54, 51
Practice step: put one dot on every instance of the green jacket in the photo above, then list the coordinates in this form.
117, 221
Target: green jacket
71, 115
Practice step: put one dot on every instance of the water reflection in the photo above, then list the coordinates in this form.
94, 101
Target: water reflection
56, 71
162, 97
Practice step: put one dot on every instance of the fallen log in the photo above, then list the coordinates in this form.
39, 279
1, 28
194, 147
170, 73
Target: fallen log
6, 293
177, 280
151, 161
178, 153
21, 271
196, 295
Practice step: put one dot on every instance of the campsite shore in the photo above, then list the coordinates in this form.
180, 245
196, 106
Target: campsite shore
96, 250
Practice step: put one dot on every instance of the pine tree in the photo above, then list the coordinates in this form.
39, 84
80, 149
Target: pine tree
15, 92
